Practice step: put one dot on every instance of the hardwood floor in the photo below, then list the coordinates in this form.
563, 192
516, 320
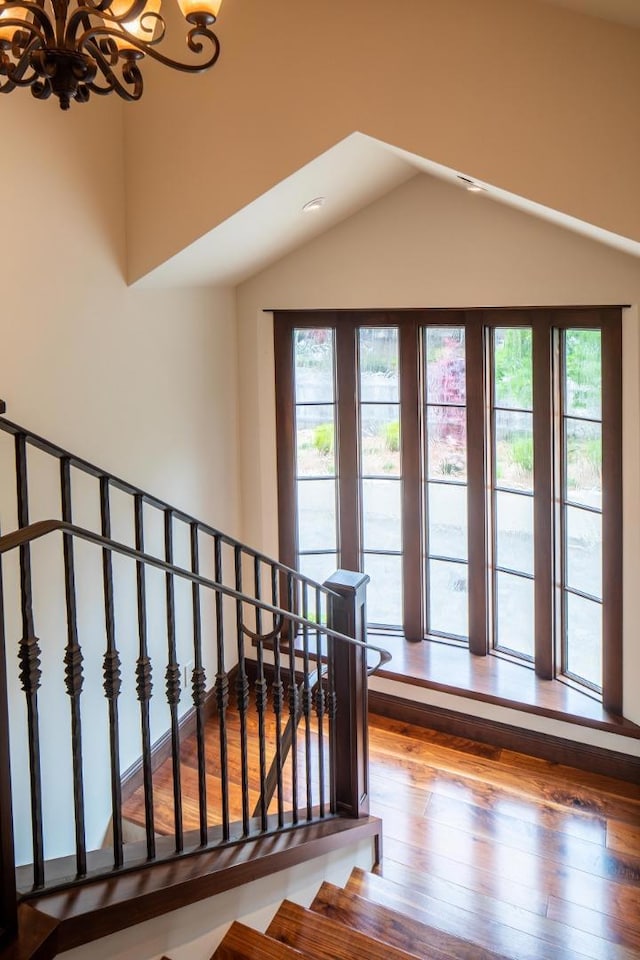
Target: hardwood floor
523, 858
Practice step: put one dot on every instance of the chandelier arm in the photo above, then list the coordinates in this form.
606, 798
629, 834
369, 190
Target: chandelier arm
46, 32
80, 17
15, 71
131, 76
193, 42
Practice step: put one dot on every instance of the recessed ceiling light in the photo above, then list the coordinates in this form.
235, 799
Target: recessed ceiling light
471, 186
313, 205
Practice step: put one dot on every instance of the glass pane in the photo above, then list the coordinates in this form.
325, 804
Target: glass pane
583, 453
447, 439
514, 450
313, 352
384, 593
446, 365
380, 429
318, 566
584, 551
316, 515
379, 364
381, 515
513, 370
514, 614
315, 436
514, 531
448, 598
583, 373
447, 504
584, 639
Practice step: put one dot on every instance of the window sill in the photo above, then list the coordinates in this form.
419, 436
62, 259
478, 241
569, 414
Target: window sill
493, 679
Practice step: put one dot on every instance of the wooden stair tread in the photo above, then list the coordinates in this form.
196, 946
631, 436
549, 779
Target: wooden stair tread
395, 928
245, 943
323, 939
520, 934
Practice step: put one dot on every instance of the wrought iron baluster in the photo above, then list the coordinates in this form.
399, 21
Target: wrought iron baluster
199, 688
242, 690
172, 677
320, 703
222, 693
307, 701
112, 677
144, 682
332, 706
278, 699
73, 670
30, 673
261, 699
8, 901
293, 700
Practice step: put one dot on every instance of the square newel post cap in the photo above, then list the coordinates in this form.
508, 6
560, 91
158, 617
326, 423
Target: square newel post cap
346, 582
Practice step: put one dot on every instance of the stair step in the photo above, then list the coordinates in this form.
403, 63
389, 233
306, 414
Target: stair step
322, 939
245, 943
517, 933
395, 928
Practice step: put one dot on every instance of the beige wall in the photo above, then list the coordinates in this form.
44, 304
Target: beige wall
142, 383
525, 95
429, 244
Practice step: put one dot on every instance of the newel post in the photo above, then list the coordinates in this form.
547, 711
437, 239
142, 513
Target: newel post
8, 902
347, 614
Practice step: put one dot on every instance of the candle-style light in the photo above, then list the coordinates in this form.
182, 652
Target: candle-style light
73, 48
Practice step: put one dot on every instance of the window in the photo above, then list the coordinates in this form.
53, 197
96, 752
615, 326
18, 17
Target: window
470, 463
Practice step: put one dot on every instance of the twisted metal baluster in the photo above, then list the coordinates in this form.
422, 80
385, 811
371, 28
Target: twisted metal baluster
73, 671
293, 702
199, 687
112, 678
261, 699
278, 700
144, 684
320, 703
172, 677
307, 704
222, 694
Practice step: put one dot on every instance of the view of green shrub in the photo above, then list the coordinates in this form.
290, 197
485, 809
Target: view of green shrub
392, 436
522, 453
323, 438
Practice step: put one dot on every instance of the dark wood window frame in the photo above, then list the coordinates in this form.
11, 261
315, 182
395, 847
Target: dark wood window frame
547, 325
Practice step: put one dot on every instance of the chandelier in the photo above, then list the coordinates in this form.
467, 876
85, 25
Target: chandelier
73, 48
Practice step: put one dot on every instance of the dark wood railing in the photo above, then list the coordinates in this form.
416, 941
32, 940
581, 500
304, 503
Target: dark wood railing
310, 681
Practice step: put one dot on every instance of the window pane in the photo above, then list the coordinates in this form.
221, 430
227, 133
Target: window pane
313, 351
448, 598
583, 452
381, 515
513, 370
583, 373
384, 593
584, 551
514, 450
380, 429
447, 521
447, 439
445, 365
318, 566
315, 436
514, 614
316, 515
514, 531
584, 639
379, 364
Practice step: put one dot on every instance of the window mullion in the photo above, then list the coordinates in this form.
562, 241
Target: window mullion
477, 385
412, 522
544, 389
612, 510
348, 444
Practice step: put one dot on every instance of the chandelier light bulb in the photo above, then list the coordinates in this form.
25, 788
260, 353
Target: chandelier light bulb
73, 48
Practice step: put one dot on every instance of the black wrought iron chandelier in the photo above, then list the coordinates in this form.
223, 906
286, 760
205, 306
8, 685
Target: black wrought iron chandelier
73, 48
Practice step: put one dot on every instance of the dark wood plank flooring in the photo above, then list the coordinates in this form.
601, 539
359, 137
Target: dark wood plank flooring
522, 857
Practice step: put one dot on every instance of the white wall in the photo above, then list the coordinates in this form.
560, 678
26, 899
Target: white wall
142, 383
432, 245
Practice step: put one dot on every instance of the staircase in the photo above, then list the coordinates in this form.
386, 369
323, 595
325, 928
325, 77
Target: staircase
370, 918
